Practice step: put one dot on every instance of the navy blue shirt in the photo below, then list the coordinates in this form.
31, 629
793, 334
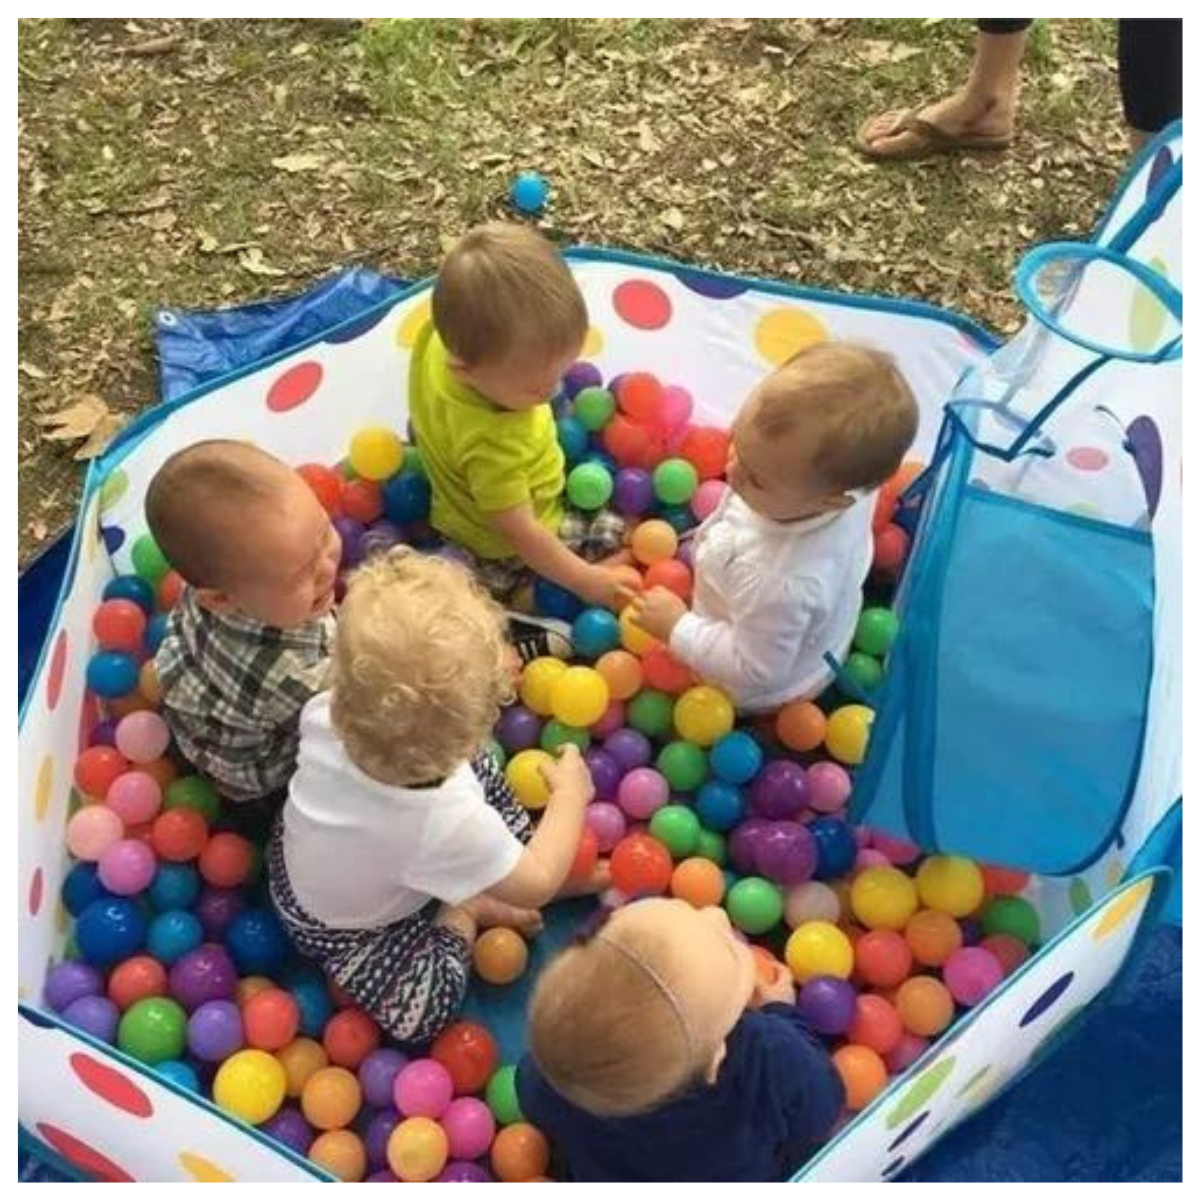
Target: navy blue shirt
776, 1096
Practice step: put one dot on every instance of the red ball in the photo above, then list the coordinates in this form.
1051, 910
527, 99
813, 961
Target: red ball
96, 768
362, 499
339, 995
640, 397
1003, 881
179, 834
882, 958
641, 866
326, 486
587, 854
271, 1019
633, 445
885, 508
119, 625
671, 574
227, 860
469, 1053
876, 1024
1008, 951
891, 549
169, 590
664, 672
350, 1035
136, 979
707, 449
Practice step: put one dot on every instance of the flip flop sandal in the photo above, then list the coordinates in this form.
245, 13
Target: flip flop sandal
928, 140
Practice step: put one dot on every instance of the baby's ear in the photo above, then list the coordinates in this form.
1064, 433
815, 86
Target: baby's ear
838, 501
714, 1067
214, 600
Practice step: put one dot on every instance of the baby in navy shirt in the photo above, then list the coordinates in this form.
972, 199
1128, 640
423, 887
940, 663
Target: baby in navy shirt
656, 1053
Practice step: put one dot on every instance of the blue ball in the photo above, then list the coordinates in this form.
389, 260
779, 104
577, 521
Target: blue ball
175, 885
312, 998
406, 498
131, 587
595, 632
81, 886
179, 1073
736, 758
720, 805
553, 601
110, 674
573, 438
836, 847
256, 942
109, 930
172, 934
156, 630
529, 192
679, 517
602, 457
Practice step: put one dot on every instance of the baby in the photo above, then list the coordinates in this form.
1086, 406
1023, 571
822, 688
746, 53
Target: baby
654, 1054
400, 837
780, 564
508, 320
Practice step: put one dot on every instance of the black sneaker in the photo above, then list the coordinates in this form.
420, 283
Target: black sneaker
539, 637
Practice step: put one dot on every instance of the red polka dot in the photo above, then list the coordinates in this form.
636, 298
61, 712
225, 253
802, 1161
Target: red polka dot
80, 1154
36, 887
1087, 458
120, 1091
58, 667
295, 386
642, 304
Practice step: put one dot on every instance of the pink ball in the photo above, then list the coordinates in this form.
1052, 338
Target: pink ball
135, 797
674, 408
143, 736
811, 901
423, 1088
868, 857
675, 437
613, 719
92, 830
469, 1127
862, 836
127, 867
708, 496
971, 973
606, 821
899, 851
906, 1052
643, 792
828, 787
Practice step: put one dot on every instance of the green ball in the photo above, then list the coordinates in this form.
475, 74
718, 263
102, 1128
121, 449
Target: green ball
589, 486
153, 1030
148, 560
876, 631
556, 734
711, 845
496, 750
414, 464
1013, 915
754, 905
71, 948
675, 481
863, 670
501, 1096
678, 828
594, 407
684, 765
193, 791
651, 712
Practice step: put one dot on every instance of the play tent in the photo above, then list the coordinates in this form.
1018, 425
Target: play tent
1031, 713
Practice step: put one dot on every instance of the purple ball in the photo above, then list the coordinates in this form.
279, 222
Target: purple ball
686, 554
581, 375
780, 790
827, 1004
104, 733
605, 770
629, 747
518, 728
206, 973
379, 1129
216, 908
460, 1171
352, 533
633, 492
607, 822
972, 931
742, 846
96, 1015
214, 1030
380, 535
382, 1177
786, 853
71, 981
289, 1127
377, 1073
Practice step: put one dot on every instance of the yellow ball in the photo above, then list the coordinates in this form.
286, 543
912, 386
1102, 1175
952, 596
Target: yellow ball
819, 948
703, 715
536, 681
883, 898
579, 696
950, 884
848, 731
376, 452
250, 1084
654, 541
633, 637
524, 776
417, 1149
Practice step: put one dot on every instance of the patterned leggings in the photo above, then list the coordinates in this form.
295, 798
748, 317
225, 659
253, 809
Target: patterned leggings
412, 974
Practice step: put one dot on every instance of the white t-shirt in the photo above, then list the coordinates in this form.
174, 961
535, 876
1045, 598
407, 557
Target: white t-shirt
771, 598
360, 853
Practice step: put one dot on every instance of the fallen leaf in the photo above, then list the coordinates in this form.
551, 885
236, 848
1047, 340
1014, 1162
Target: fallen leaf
89, 419
205, 242
252, 261
672, 219
878, 52
293, 164
30, 369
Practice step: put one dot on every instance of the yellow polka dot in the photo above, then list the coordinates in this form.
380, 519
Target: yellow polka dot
91, 535
786, 331
981, 1095
43, 788
1121, 909
201, 1170
593, 344
1114, 872
62, 918
406, 333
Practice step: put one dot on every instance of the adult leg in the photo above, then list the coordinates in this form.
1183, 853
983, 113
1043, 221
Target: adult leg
1150, 62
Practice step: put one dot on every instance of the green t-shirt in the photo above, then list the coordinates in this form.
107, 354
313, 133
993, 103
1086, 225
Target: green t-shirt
480, 459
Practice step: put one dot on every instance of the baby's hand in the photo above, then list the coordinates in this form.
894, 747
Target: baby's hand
568, 775
611, 586
773, 985
658, 612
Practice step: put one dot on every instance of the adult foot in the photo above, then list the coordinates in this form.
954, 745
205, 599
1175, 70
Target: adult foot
962, 121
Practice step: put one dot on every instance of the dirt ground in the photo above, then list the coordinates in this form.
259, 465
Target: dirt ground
198, 163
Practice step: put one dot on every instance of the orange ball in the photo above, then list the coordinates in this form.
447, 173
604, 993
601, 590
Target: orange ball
331, 1098
350, 1036
162, 770
501, 955
250, 986
698, 881
226, 860
800, 725
148, 683
641, 866
882, 958
587, 855
417, 1149
997, 881
520, 1153
663, 671
925, 1006
622, 672
905, 475
863, 1073
179, 834
654, 541
469, 1053
932, 936
122, 706
301, 1059
341, 1153
135, 979
671, 574
271, 1019
170, 588
876, 1024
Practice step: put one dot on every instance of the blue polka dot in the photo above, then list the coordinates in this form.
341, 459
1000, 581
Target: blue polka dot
909, 1130
347, 333
894, 1165
1047, 998
713, 287
114, 537
1164, 160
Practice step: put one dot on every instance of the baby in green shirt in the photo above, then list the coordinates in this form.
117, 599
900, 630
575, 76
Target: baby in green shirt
508, 320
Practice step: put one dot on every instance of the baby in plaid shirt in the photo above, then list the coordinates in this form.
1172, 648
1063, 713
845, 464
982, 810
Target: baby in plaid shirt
248, 645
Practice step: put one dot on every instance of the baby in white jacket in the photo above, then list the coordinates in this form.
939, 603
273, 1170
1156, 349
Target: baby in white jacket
779, 566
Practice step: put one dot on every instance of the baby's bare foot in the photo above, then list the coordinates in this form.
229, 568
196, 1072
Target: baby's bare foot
600, 880
489, 913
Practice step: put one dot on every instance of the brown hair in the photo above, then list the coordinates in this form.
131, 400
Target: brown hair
504, 288
861, 407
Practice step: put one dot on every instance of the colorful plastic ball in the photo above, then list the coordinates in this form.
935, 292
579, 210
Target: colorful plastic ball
780, 790
179, 1073
152, 1030
819, 948
80, 887
257, 942
376, 453
639, 395
800, 725
110, 929
698, 881
641, 866
92, 830
350, 1035
148, 560
622, 672
971, 974
847, 732
720, 805
906, 1052
226, 860
250, 1085
883, 898
786, 853
169, 591
836, 848
120, 625
863, 1072
417, 1150
469, 1053
811, 901
932, 936
518, 728
707, 449
217, 907
469, 1127
743, 844
423, 1088
111, 674
633, 637
629, 747
650, 712
555, 735
127, 867
301, 1059
876, 631
501, 1095
331, 1098
828, 787
711, 845
179, 835
206, 973
612, 720
362, 501
131, 587
524, 776
678, 828
250, 986
684, 765
827, 1005
863, 671
1013, 915
671, 574
754, 905
572, 437
589, 486
1008, 951
925, 1005
632, 444
642, 792
325, 484
194, 792
675, 481
675, 407
97, 768
653, 541
96, 1015
312, 999
407, 499
271, 1018
529, 193
172, 934
899, 851
736, 758
703, 715
680, 519
519, 1153
376, 1137
891, 549
594, 408
290, 1129
606, 822
595, 632
500, 955
876, 1024
341, 1153
950, 884
537, 682
633, 492
67, 982
461, 1171
214, 1031
663, 672
134, 796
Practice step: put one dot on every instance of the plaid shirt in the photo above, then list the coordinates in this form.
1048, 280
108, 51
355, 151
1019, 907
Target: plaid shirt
232, 691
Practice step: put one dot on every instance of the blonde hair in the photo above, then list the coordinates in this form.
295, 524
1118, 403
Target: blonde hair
505, 289
420, 667
853, 401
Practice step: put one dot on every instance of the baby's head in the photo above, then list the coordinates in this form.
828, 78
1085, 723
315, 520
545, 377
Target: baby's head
835, 419
634, 1016
246, 532
420, 668
510, 314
